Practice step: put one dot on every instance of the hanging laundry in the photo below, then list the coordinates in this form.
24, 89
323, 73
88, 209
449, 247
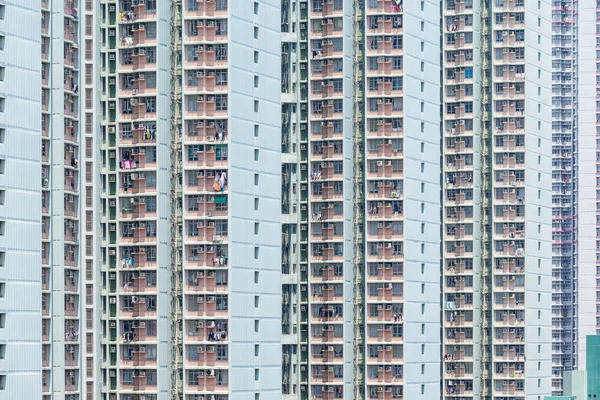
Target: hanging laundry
216, 185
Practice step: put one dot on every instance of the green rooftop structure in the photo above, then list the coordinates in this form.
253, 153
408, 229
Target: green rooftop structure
580, 385
561, 398
593, 366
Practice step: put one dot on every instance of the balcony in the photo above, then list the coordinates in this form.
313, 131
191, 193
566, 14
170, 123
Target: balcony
385, 6
212, 256
211, 181
325, 9
139, 133
325, 334
206, 81
385, 353
326, 212
326, 191
206, 31
325, 69
136, 356
138, 58
385, 272
327, 354
326, 28
510, 5
328, 275
139, 383
325, 375
137, 85
326, 294
201, 55
388, 24
139, 108
205, 281
385, 334
210, 381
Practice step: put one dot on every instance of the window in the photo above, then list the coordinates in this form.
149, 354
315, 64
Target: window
256, 32
255, 81
221, 5
255, 8
256, 57
2, 70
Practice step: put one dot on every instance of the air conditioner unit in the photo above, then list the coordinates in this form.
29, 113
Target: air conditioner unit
111, 129
111, 57
112, 81
112, 203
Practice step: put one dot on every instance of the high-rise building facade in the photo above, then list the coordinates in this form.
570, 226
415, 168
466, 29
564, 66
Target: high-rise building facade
564, 189
497, 320
21, 357
586, 208
189, 189
60, 194
300, 199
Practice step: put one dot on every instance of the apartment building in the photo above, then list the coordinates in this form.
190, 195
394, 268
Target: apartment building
586, 270
20, 206
60, 189
497, 194
564, 64
191, 276
203, 128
